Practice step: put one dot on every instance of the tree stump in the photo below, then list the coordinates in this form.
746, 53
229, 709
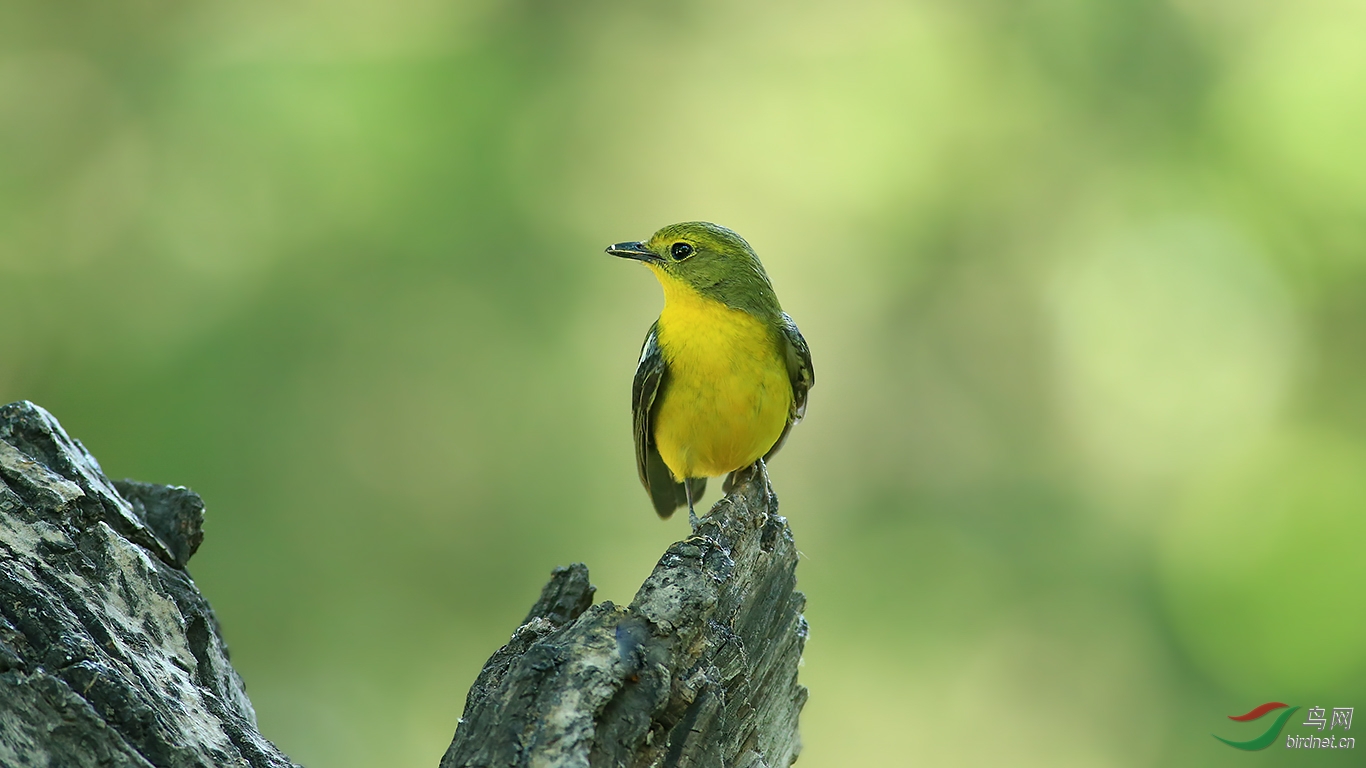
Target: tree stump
110, 656
699, 670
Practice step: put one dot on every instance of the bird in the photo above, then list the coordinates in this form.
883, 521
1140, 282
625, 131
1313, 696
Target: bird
723, 374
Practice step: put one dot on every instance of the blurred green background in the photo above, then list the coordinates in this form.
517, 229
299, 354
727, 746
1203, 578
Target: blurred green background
1085, 284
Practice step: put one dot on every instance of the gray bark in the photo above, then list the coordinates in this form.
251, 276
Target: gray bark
109, 655
699, 670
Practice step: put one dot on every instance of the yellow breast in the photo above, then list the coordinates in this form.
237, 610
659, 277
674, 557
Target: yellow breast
728, 393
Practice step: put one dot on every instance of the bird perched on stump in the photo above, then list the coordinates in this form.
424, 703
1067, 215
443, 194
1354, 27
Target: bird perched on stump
724, 372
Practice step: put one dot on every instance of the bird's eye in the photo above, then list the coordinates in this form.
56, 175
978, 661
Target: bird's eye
680, 251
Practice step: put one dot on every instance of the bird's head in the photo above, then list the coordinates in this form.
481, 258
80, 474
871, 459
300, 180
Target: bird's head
712, 260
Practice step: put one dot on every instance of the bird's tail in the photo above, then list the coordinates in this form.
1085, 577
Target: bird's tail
669, 496
666, 493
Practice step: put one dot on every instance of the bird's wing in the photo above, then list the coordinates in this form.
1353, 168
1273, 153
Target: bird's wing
650, 373
800, 373
652, 377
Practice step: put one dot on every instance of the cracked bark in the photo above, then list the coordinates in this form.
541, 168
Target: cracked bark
110, 656
699, 670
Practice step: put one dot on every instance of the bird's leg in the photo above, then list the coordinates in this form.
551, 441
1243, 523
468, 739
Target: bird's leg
761, 474
692, 516
761, 470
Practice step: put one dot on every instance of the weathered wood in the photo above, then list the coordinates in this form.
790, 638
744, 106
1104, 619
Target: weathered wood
699, 670
109, 655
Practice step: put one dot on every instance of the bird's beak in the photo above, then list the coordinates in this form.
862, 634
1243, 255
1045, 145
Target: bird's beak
635, 251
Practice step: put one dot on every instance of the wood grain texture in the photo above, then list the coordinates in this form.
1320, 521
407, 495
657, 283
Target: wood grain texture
109, 655
699, 670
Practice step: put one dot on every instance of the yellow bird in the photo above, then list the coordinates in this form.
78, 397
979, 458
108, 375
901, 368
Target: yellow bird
724, 372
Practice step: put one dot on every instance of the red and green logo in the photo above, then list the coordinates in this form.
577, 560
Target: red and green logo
1272, 733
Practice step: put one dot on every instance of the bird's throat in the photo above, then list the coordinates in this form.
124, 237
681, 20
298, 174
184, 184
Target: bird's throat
676, 292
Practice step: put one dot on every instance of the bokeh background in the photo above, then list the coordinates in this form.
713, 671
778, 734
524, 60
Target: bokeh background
1085, 468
